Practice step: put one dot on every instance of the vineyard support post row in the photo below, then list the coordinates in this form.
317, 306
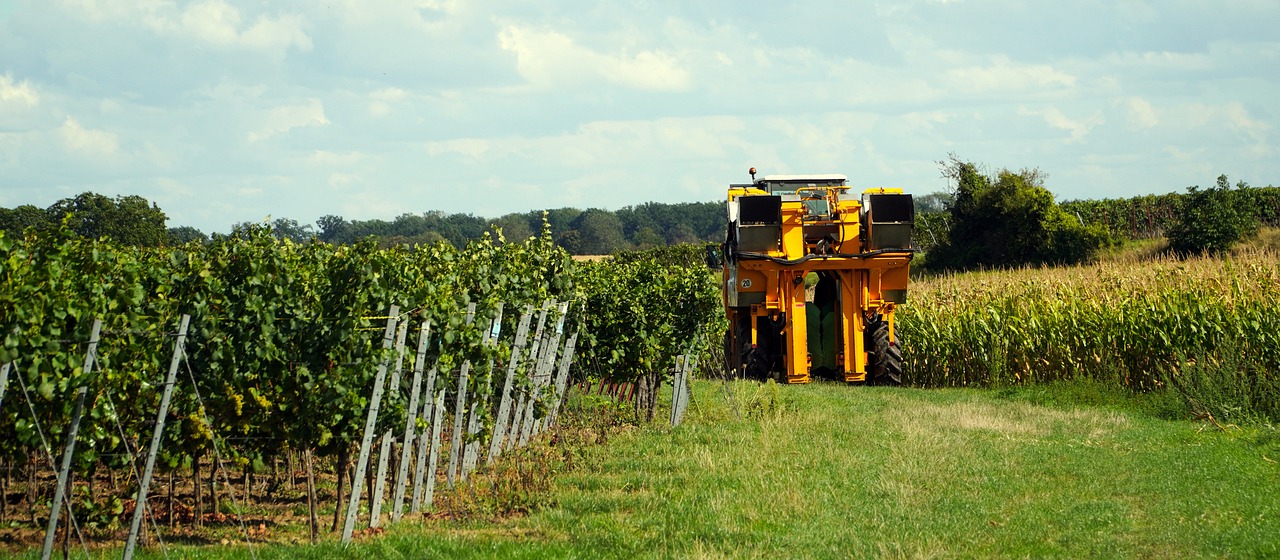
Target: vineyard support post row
472, 454
59, 491
459, 411
504, 405
144, 484
388, 437
353, 505
434, 460
562, 378
517, 418
426, 444
543, 375
415, 388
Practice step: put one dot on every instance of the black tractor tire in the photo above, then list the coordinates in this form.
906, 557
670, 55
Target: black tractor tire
753, 362
757, 363
884, 358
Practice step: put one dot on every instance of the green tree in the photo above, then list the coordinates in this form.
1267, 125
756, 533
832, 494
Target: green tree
1009, 219
681, 233
560, 219
334, 229
128, 220
186, 234
288, 228
424, 238
647, 238
571, 241
515, 227
16, 220
933, 202
600, 232
1213, 219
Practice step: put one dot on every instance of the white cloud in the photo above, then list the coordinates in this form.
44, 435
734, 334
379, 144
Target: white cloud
472, 148
1240, 119
1055, 118
17, 93
278, 33
383, 99
343, 180
926, 119
1006, 77
214, 22
99, 11
548, 59
1141, 114
288, 117
326, 158
1163, 60
86, 141
1206, 117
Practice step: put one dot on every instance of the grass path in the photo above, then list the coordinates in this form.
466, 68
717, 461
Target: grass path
827, 471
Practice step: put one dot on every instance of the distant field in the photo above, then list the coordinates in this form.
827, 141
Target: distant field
829, 471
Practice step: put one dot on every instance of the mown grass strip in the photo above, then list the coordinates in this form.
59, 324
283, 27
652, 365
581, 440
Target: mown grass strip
829, 471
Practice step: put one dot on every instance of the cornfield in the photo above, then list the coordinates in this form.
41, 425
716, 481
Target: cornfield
1191, 325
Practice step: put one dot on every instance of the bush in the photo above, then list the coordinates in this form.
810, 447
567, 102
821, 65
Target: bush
1010, 219
1214, 219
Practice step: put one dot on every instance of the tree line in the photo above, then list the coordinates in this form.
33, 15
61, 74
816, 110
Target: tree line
1009, 218
135, 221
988, 219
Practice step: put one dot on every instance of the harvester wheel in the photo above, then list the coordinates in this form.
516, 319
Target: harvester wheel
752, 361
884, 360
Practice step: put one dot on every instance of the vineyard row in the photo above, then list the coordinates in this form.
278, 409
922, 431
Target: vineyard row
282, 354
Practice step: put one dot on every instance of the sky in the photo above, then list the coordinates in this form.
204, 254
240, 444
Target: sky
230, 111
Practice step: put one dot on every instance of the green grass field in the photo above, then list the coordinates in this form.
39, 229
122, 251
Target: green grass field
829, 471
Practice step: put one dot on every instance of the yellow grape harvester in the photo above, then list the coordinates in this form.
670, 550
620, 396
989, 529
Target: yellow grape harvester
788, 231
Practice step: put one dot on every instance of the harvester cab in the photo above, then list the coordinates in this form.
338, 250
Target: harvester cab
812, 273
